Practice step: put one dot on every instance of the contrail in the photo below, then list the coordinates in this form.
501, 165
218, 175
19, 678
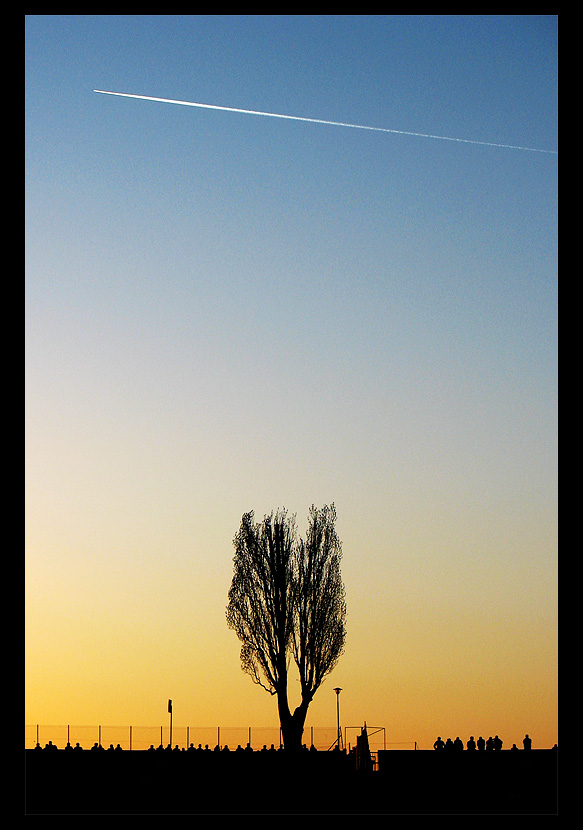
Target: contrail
322, 121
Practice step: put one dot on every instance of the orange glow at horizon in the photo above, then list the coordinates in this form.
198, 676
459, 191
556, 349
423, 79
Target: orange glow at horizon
116, 653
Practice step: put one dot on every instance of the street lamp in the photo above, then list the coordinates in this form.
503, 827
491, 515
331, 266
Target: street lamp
339, 736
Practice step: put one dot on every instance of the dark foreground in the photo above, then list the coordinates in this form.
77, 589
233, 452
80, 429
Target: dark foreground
185, 783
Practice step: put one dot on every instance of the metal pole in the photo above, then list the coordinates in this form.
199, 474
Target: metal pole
339, 733
170, 713
130, 738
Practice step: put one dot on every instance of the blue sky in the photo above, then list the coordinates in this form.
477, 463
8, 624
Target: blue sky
226, 312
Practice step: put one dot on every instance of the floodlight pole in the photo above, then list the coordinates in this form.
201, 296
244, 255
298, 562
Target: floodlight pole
339, 735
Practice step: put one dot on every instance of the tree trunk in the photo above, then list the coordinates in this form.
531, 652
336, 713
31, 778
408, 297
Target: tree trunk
292, 726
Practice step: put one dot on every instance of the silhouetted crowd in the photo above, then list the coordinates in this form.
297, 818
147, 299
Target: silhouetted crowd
247, 748
97, 747
492, 744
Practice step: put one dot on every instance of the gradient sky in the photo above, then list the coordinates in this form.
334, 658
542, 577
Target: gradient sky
228, 313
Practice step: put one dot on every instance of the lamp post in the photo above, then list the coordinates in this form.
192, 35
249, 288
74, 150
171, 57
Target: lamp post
339, 736
170, 713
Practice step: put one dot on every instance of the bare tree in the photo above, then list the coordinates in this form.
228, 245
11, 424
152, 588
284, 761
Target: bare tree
287, 600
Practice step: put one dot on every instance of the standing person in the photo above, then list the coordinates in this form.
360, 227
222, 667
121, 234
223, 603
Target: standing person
527, 743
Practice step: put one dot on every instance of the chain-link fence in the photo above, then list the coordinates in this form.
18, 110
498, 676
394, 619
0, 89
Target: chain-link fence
143, 737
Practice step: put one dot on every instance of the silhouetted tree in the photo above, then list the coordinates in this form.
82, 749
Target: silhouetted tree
287, 600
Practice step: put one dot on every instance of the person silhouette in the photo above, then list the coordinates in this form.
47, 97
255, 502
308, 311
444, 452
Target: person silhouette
471, 744
481, 743
497, 742
439, 745
527, 742
458, 744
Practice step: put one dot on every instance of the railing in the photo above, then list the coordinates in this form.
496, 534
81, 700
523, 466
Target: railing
142, 737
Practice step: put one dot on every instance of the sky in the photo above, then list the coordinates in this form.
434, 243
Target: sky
226, 313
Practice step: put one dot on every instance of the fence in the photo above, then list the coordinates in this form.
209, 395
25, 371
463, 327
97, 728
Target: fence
142, 737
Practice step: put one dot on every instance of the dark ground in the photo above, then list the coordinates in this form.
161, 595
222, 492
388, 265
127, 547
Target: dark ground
186, 783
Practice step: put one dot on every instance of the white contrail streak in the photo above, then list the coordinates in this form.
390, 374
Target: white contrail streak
322, 121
